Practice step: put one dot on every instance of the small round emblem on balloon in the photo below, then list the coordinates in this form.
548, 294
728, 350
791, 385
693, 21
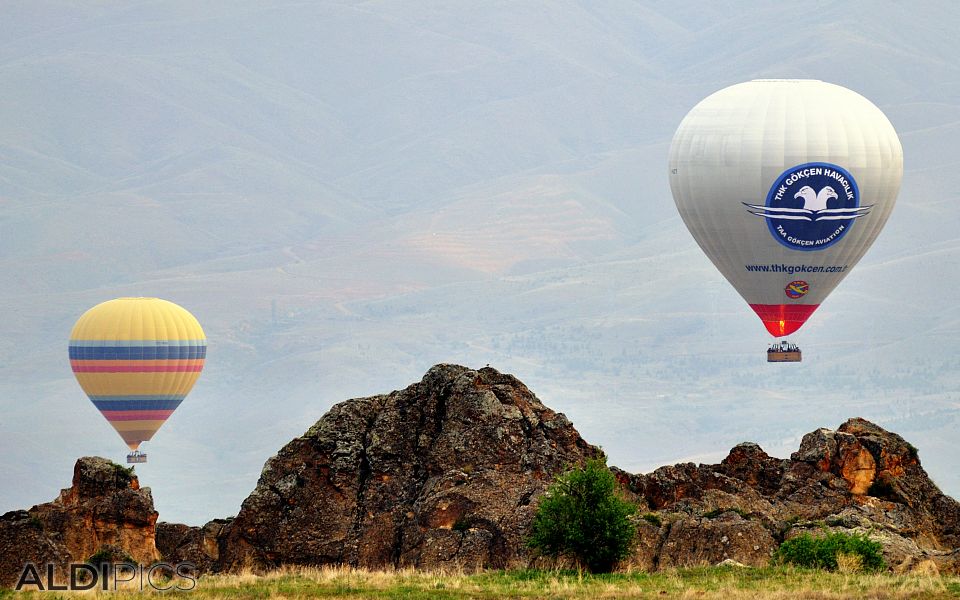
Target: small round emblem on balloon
796, 289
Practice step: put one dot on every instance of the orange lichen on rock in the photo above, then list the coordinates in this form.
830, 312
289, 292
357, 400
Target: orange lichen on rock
859, 469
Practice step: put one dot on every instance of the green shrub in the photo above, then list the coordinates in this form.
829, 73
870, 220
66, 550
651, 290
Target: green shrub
582, 516
653, 519
110, 554
123, 473
914, 453
103, 555
821, 552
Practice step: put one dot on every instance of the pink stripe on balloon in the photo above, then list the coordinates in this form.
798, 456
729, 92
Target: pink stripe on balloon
137, 415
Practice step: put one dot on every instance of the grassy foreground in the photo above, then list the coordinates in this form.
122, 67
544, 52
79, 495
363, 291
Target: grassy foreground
707, 582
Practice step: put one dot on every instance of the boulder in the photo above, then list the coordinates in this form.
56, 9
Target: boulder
699, 541
859, 479
443, 473
200, 546
104, 511
23, 540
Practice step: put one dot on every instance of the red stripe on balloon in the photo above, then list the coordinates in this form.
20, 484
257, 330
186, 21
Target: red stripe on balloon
136, 415
784, 319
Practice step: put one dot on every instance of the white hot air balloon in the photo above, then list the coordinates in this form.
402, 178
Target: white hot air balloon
785, 184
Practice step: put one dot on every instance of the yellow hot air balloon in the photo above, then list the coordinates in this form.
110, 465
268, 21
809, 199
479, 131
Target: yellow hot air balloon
137, 358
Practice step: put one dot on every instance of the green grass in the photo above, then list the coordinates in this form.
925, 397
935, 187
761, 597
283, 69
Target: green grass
704, 582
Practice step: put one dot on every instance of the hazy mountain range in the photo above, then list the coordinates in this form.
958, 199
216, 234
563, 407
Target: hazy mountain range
345, 193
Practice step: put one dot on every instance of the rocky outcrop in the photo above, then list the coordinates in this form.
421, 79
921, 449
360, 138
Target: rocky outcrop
859, 478
200, 546
449, 471
23, 540
701, 540
446, 472
105, 510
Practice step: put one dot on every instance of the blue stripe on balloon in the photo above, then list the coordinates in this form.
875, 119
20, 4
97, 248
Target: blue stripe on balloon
136, 402
136, 352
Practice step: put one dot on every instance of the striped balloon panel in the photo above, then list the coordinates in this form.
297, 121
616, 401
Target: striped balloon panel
137, 384
137, 358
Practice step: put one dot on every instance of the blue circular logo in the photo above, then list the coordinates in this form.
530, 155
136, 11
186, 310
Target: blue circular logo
811, 206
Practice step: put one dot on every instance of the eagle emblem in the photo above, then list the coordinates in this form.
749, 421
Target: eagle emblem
814, 208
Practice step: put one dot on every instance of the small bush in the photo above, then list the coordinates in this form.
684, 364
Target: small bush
822, 552
653, 519
109, 555
103, 555
914, 453
123, 473
582, 516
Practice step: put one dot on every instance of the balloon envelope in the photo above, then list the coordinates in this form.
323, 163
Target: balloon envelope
137, 358
785, 184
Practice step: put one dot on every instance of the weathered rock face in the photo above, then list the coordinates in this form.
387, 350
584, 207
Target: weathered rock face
445, 472
710, 541
860, 478
23, 540
105, 508
198, 545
